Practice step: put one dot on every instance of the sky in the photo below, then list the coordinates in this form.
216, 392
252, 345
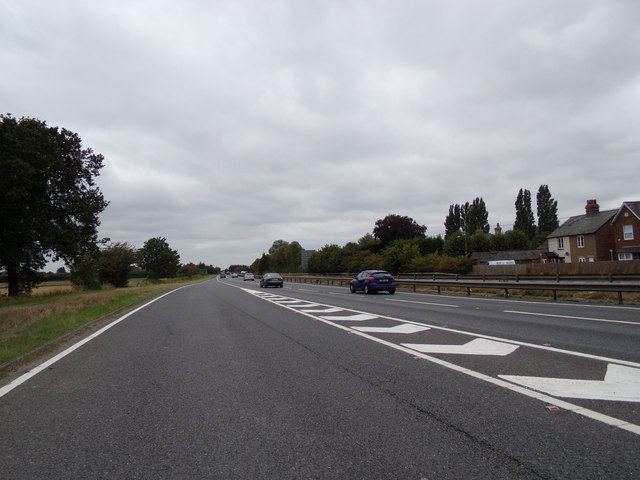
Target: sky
227, 125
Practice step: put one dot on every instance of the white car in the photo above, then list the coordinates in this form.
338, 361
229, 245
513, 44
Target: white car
248, 276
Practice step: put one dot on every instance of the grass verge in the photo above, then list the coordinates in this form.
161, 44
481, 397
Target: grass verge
29, 324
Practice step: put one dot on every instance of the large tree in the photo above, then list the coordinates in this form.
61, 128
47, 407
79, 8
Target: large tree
524, 214
547, 211
475, 217
395, 227
158, 259
49, 202
453, 222
115, 263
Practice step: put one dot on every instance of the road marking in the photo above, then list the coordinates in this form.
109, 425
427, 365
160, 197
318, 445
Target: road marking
620, 384
406, 328
323, 310
423, 303
548, 399
358, 317
572, 318
479, 346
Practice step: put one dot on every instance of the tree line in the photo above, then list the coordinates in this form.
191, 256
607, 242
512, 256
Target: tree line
50, 212
400, 245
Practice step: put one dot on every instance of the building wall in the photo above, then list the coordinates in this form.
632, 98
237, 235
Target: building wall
626, 217
563, 253
588, 252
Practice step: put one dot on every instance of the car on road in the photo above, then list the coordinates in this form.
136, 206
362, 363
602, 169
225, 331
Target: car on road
234, 275
223, 275
373, 281
271, 280
249, 276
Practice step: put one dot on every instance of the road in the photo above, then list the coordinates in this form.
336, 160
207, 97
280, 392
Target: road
226, 380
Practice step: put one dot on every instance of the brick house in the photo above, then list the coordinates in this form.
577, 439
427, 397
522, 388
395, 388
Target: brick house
626, 231
583, 238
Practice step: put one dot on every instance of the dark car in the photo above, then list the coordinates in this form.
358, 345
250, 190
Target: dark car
271, 280
373, 281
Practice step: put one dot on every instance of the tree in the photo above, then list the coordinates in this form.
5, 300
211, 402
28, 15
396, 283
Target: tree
453, 221
189, 270
480, 242
48, 197
115, 262
524, 214
455, 245
516, 240
395, 227
329, 259
468, 218
402, 256
84, 271
476, 217
277, 245
547, 211
158, 259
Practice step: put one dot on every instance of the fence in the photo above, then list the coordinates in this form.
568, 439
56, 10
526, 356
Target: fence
602, 269
469, 284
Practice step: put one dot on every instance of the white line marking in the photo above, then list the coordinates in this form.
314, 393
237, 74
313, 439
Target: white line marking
573, 318
358, 317
620, 384
306, 305
479, 346
43, 366
606, 419
323, 310
406, 328
476, 335
423, 303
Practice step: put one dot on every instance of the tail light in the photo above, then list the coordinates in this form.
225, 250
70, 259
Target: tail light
371, 279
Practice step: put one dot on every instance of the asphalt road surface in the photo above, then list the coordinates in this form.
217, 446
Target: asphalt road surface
226, 380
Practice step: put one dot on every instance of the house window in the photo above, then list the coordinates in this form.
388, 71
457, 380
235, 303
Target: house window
561, 244
580, 241
592, 259
625, 256
627, 231
582, 260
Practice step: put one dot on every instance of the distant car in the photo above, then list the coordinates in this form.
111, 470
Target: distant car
271, 280
234, 275
373, 281
223, 275
248, 276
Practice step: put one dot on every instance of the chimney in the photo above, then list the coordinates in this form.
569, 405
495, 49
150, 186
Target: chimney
592, 208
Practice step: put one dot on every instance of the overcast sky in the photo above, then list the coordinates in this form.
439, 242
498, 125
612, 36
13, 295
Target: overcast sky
226, 125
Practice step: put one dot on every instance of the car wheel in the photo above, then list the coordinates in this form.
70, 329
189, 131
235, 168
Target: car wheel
392, 291
367, 290
352, 289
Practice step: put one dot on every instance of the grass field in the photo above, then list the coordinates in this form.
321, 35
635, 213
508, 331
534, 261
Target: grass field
54, 310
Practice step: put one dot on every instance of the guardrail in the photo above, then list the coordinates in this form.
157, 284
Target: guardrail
478, 284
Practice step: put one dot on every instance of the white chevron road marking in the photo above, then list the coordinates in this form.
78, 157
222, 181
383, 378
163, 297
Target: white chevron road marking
354, 317
479, 346
405, 328
620, 384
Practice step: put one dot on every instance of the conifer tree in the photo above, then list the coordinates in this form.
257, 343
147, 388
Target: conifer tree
547, 211
524, 214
